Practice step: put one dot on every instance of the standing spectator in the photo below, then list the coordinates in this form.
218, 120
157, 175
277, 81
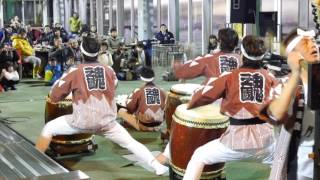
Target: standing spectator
164, 36
75, 24
213, 43
113, 40
22, 45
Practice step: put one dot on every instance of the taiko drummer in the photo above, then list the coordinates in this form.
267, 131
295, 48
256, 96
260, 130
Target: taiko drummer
145, 106
212, 65
93, 88
243, 92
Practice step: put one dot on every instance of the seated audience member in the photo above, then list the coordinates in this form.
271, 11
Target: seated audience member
57, 34
15, 25
63, 32
8, 54
105, 56
20, 43
93, 31
69, 63
61, 52
76, 51
9, 77
5, 35
145, 106
30, 36
53, 72
164, 36
120, 58
213, 44
47, 37
139, 54
84, 32
114, 42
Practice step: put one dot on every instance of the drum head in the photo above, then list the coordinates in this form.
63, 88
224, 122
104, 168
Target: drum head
208, 116
184, 89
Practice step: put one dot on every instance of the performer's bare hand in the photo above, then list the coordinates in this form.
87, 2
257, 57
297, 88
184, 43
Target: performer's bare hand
294, 61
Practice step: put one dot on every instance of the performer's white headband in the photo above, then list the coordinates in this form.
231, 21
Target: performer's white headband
87, 53
146, 79
254, 58
301, 33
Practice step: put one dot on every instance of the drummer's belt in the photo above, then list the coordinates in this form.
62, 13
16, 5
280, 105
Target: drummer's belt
153, 124
240, 122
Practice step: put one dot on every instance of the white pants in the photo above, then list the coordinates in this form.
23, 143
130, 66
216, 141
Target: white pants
215, 152
32, 59
305, 164
115, 132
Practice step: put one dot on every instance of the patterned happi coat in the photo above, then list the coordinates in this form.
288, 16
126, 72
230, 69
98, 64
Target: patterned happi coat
148, 103
243, 91
93, 89
210, 65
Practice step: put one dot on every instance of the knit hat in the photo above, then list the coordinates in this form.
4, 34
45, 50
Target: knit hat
146, 74
90, 47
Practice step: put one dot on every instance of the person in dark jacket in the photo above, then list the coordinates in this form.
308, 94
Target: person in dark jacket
8, 54
62, 53
164, 36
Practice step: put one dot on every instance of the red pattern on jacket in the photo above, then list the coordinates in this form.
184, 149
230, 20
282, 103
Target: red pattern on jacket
137, 103
227, 87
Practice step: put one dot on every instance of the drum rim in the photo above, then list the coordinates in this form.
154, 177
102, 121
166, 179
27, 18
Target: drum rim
204, 175
80, 141
202, 123
182, 93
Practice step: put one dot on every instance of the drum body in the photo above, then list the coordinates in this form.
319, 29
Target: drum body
179, 94
191, 129
67, 144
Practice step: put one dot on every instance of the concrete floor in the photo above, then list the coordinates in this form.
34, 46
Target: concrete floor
24, 110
